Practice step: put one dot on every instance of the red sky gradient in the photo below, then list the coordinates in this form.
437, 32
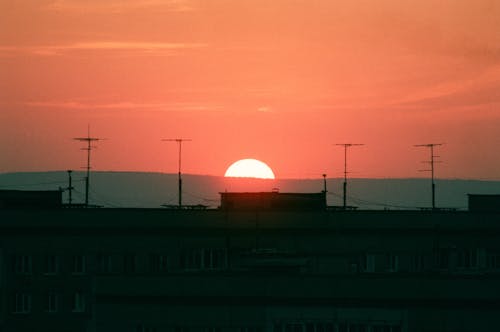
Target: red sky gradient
281, 81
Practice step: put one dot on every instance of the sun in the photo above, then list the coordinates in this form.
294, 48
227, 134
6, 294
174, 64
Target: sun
249, 168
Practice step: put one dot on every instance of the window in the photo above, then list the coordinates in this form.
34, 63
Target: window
417, 263
181, 329
22, 264
442, 258
368, 263
205, 259
392, 263
159, 263
143, 328
130, 263
79, 264
212, 329
51, 265
78, 302
471, 259
307, 326
22, 303
52, 302
104, 263
494, 261
250, 329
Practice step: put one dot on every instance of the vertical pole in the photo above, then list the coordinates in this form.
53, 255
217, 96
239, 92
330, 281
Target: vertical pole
432, 162
324, 189
432, 179
180, 179
87, 179
179, 140
89, 141
345, 177
70, 189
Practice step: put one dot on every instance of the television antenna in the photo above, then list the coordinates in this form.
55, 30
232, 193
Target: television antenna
179, 141
89, 140
432, 161
346, 146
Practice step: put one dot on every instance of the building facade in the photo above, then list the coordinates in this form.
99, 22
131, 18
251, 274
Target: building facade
155, 270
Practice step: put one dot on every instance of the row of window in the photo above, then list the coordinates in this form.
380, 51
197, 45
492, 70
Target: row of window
23, 264
329, 326
217, 259
196, 259
337, 327
52, 302
441, 259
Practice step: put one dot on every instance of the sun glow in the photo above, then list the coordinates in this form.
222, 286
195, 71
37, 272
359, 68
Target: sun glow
249, 168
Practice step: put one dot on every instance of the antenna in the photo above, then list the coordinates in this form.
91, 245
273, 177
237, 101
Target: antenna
89, 148
346, 145
179, 140
432, 161
70, 187
324, 183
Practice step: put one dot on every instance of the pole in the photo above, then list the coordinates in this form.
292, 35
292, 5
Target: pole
345, 177
89, 147
179, 174
180, 177
433, 185
346, 145
324, 183
87, 179
70, 188
432, 162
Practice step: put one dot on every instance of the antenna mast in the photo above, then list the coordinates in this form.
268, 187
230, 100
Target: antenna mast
70, 188
346, 145
431, 162
89, 148
179, 140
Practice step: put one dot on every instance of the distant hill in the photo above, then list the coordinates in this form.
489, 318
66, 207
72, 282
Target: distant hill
135, 189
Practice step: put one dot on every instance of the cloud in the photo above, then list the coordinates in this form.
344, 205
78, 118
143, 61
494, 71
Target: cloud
114, 6
126, 105
264, 109
143, 48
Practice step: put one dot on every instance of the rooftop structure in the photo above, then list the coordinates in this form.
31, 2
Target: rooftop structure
272, 201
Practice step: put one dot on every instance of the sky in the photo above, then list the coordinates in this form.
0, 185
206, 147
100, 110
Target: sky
281, 81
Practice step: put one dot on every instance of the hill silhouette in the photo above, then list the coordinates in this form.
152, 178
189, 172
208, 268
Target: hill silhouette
137, 189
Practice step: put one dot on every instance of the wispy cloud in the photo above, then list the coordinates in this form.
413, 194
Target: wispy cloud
126, 105
144, 48
480, 89
115, 6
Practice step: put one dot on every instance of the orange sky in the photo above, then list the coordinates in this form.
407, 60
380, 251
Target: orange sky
281, 81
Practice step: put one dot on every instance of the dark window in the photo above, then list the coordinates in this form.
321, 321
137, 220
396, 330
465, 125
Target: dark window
78, 302
22, 264
22, 303
130, 263
51, 264
104, 263
79, 264
52, 302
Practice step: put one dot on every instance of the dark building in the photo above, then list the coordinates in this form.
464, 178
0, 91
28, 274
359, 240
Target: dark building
484, 202
24, 199
265, 201
249, 270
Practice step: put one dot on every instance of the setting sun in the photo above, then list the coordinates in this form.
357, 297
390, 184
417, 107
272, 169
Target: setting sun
249, 168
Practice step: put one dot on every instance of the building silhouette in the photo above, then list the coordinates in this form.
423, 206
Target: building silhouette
266, 267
